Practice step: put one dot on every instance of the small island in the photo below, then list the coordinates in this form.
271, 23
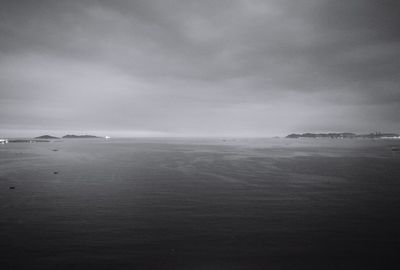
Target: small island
69, 136
47, 137
345, 135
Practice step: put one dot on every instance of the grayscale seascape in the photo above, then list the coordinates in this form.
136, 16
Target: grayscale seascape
199, 134
200, 204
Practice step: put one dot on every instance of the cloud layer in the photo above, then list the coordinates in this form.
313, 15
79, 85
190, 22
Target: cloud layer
227, 67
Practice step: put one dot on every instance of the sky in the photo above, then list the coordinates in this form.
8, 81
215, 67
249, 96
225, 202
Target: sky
199, 68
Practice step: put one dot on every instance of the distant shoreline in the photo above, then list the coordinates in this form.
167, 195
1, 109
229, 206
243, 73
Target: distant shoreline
344, 135
68, 136
48, 138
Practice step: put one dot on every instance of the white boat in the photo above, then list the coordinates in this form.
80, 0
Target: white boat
3, 141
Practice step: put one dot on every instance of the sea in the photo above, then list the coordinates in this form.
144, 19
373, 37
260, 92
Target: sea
195, 203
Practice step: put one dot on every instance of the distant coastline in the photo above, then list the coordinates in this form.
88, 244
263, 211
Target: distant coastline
49, 138
344, 135
69, 136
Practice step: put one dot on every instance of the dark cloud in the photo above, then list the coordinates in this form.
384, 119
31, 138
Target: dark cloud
228, 67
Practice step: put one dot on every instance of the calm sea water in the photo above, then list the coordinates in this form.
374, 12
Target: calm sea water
200, 204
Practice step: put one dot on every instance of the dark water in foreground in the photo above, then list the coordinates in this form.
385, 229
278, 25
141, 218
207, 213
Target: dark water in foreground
200, 204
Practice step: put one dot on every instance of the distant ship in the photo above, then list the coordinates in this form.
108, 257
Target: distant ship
3, 141
107, 137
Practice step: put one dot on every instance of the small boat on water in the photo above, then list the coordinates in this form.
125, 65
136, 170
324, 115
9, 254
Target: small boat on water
3, 141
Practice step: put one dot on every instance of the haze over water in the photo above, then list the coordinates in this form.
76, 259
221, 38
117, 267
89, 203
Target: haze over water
170, 70
200, 204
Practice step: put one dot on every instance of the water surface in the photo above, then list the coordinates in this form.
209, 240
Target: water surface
200, 204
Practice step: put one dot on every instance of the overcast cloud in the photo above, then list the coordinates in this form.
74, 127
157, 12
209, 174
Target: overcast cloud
199, 68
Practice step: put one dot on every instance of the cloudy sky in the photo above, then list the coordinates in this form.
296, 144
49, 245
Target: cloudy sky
199, 68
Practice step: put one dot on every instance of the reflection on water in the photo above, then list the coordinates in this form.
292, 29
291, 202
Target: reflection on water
200, 204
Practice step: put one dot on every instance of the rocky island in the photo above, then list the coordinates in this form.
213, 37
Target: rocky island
345, 135
80, 136
47, 137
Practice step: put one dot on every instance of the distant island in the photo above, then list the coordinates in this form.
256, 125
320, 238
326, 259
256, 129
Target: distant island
69, 136
345, 135
47, 137
80, 137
